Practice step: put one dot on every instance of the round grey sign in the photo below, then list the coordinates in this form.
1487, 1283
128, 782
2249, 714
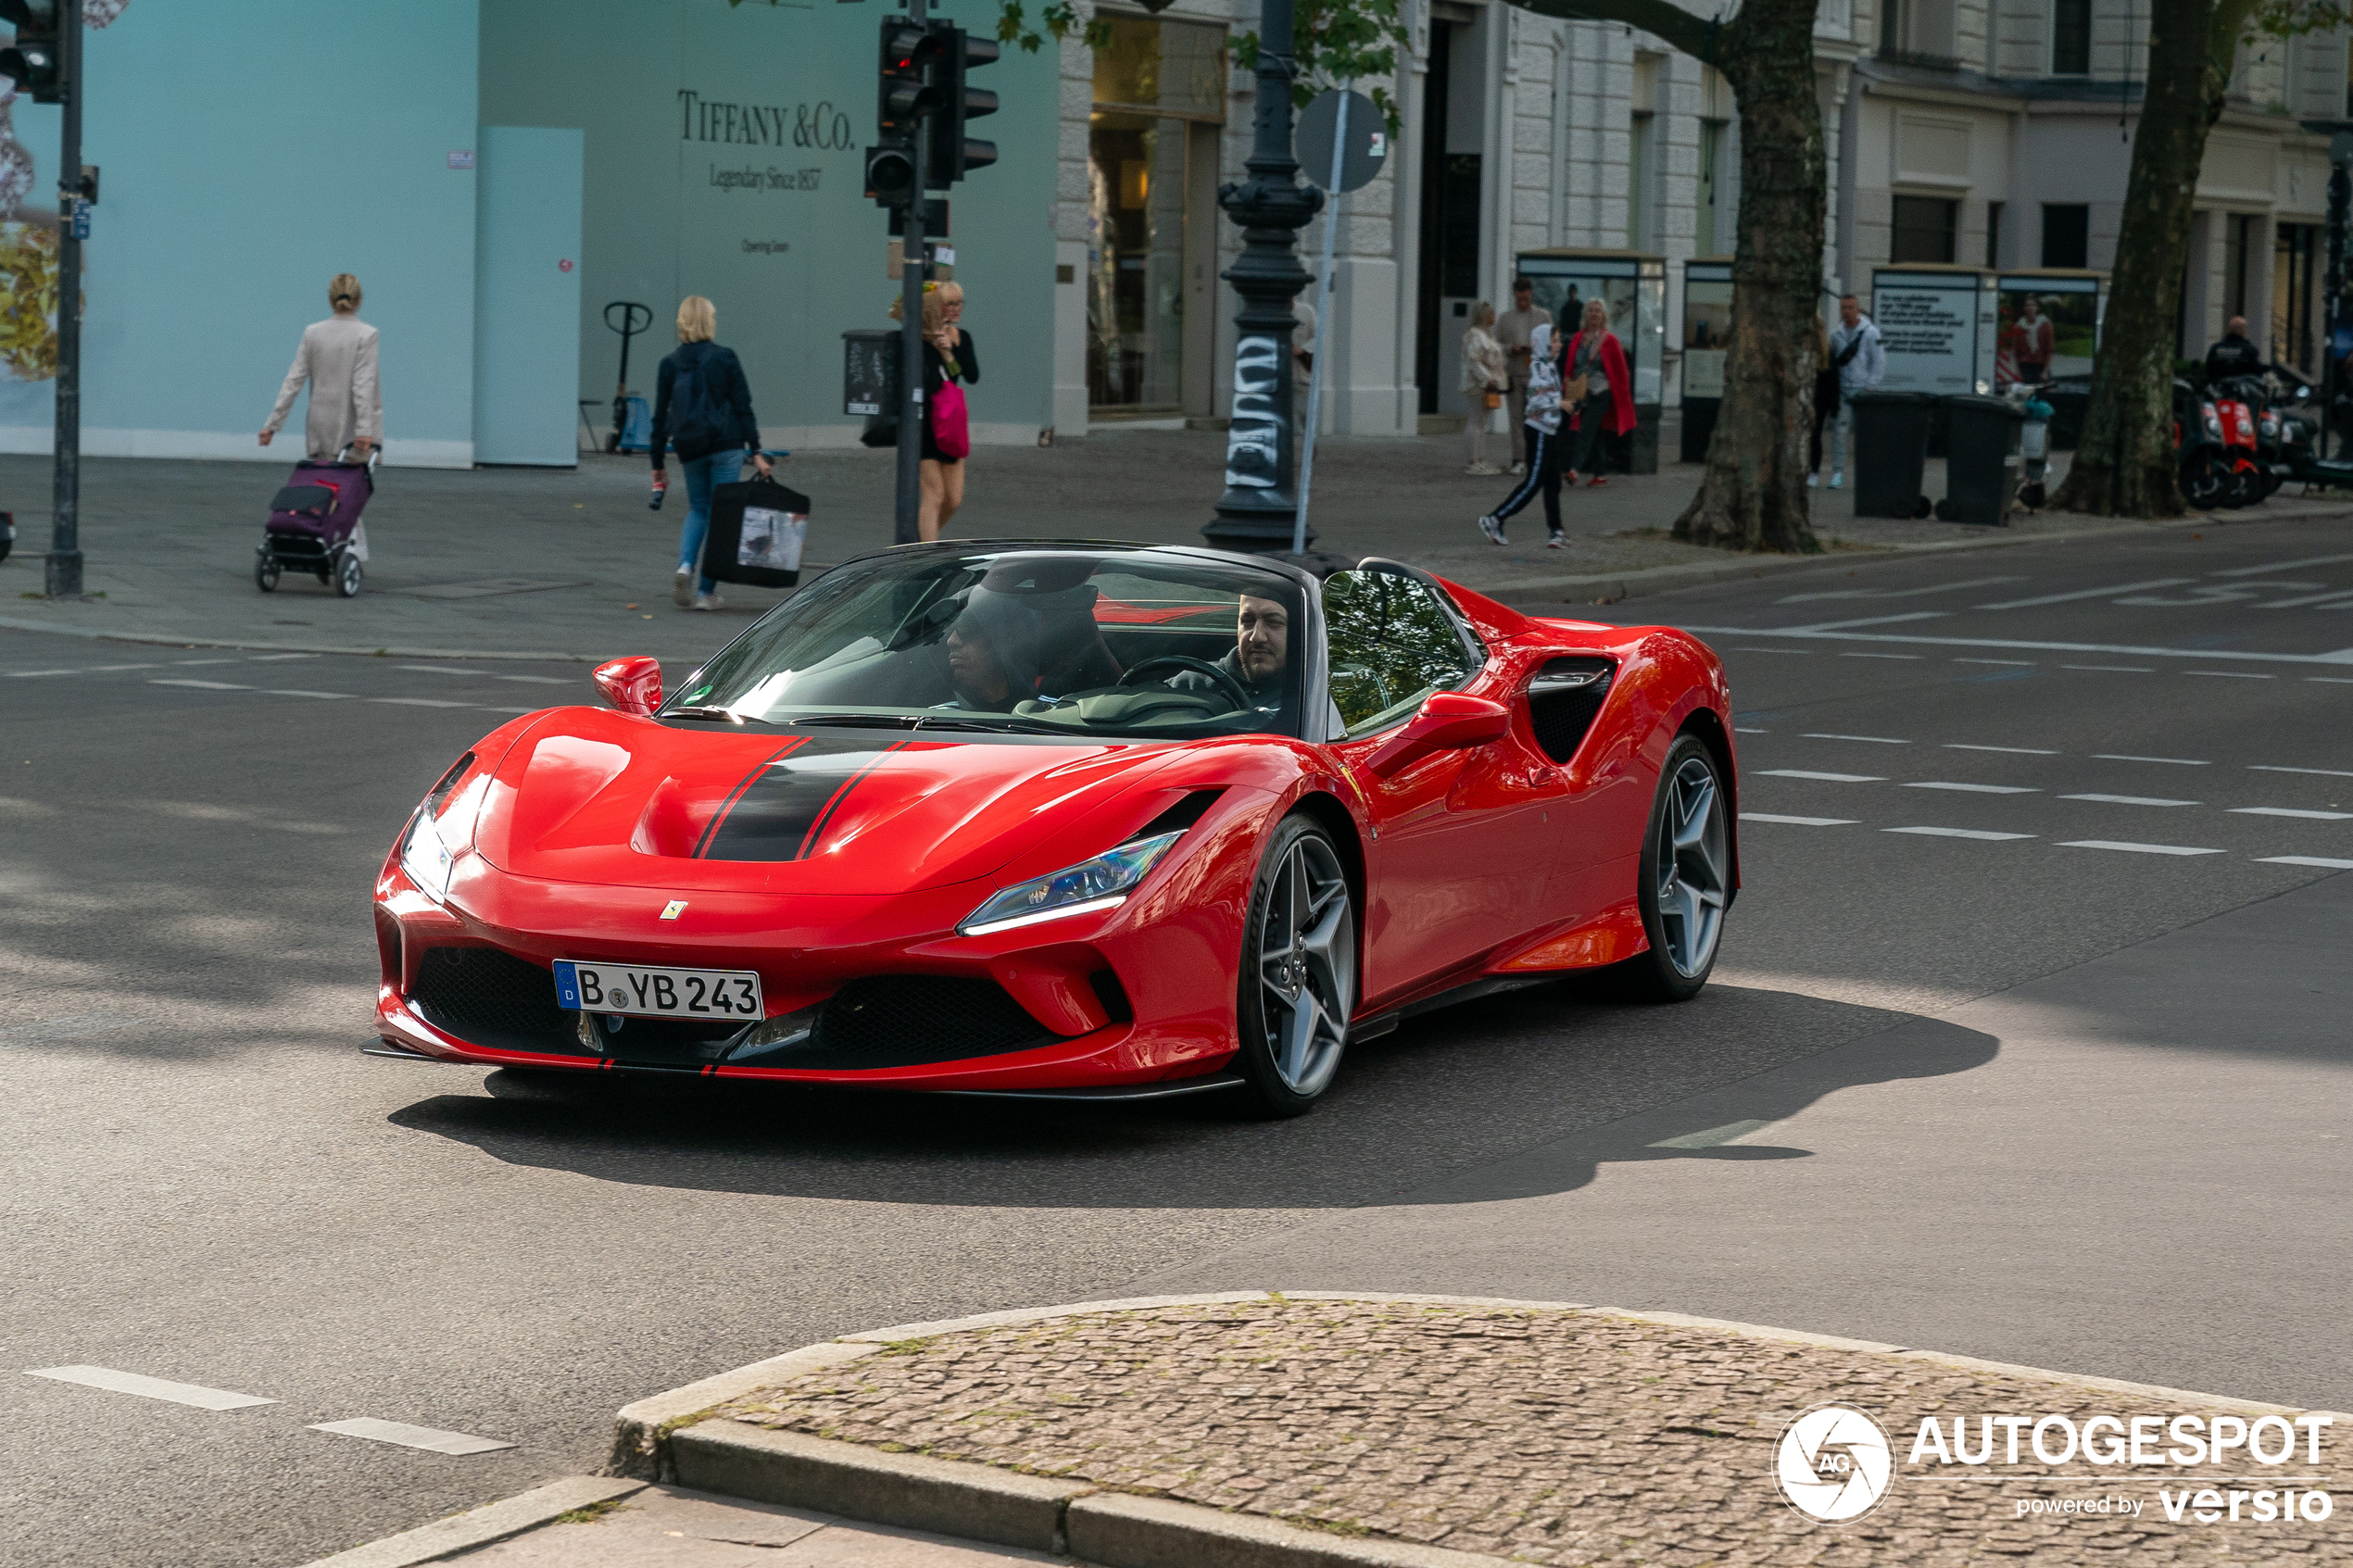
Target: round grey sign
1367, 146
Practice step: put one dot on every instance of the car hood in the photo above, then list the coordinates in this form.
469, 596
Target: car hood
599, 797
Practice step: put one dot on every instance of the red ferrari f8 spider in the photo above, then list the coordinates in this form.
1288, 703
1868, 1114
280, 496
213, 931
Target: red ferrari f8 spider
1067, 820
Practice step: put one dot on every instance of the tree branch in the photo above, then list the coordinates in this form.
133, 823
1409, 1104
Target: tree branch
1693, 35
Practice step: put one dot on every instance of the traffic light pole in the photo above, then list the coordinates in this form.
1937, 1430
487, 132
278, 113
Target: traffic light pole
907, 526
63, 576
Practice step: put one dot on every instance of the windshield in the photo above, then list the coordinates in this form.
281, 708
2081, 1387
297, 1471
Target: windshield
1061, 642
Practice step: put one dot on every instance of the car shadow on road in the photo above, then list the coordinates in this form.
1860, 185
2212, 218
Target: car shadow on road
1446, 1105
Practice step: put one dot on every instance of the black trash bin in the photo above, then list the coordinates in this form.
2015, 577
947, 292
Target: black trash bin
2069, 399
1980, 468
1891, 452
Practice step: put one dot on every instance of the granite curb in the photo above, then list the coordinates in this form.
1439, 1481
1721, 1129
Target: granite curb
666, 1438
482, 1527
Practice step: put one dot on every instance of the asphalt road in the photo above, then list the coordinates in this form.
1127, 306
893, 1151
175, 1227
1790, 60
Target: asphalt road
2039, 1084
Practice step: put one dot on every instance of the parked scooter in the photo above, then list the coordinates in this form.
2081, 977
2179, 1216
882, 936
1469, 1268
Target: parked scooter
2199, 445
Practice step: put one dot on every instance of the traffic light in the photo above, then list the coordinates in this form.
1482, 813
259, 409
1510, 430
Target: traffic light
32, 59
902, 95
952, 155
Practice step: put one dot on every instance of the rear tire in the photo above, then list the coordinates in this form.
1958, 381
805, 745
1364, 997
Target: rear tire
347, 577
1685, 883
1298, 971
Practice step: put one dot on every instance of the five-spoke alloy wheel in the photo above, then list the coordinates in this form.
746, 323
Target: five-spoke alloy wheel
1686, 876
1298, 970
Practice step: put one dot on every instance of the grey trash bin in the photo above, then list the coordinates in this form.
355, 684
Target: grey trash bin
1981, 469
1891, 452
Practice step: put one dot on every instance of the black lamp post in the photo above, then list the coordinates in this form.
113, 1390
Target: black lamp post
2340, 134
1261, 500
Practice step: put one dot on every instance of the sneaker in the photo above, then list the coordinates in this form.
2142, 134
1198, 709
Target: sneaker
1492, 529
1520, 467
1569, 479
1813, 482
682, 588
1838, 479
1596, 482
708, 601
1557, 542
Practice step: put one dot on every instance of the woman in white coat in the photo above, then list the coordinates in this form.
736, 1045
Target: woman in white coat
338, 358
1485, 379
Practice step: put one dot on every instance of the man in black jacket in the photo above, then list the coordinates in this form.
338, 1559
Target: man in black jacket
2234, 356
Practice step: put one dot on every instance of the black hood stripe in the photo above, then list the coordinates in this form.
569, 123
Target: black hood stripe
703, 844
779, 813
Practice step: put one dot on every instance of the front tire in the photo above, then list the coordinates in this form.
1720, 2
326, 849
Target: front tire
347, 576
1298, 985
265, 574
1686, 877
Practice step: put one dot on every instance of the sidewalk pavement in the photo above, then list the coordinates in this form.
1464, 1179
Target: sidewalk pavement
571, 564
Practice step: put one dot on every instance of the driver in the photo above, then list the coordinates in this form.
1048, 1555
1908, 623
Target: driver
992, 653
1262, 653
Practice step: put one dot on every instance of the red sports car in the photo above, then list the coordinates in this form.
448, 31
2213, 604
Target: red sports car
1046, 820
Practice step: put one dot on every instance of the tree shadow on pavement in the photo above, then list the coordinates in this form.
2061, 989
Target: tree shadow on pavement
1445, 1109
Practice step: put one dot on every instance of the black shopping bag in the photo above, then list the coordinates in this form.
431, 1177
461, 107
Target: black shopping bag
756, 530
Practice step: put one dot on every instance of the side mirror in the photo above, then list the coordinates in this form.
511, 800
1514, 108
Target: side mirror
1448, 721
633, 684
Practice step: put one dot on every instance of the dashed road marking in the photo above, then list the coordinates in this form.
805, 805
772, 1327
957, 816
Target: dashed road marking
2323, 863
1976, 788
2087, 593
1912, 655
432, 1439
204, 685
1740, 730
2325, 772
2129, 800
29, 675
150, 1387
282, 692
2173, 761
2024, 663
278, 657
1875, 740
2231, 674
110, 669
1826, 778
191, 663
2133, 848
419, 702
1958, 833
2279, 566
1798, 822
2291, 811
2331, 680
1800, 653
2021, 750
2114, 669
1713, 1137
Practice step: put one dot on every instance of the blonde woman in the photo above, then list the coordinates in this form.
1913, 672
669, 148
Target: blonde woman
948, 357
702, 405
338, 360
1485, 379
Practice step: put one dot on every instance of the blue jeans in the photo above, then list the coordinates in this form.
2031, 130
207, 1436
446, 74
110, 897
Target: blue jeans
702, 474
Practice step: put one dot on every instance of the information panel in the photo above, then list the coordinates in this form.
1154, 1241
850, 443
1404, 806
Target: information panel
1938, 329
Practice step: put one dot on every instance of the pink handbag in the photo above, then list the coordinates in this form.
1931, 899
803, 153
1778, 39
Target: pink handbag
951, 428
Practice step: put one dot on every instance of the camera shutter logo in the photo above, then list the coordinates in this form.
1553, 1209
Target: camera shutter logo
1834, 1463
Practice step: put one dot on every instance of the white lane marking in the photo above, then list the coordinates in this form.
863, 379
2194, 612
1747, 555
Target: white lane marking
1740, 730
1875, 740
1976, 788
276, 692
2087, 593
2116, 669
109, 669
440, 669
2292, 811
2325, 772
2021, 750
1713, 1137
2021, 663
203, 686
1800, 653
2175, 761
2331, 680
2133, 848
432, 1439
2129, 800
419, 702
2280, 566
2337, 656
2231, 674
278, 657
69, 1026
29, 674
1958, 833
150, 1387
2321, 862
2335, 599
536, 680
1873, 620
1910, 656
191, 663
1897, 593
1826, 778
1798, 822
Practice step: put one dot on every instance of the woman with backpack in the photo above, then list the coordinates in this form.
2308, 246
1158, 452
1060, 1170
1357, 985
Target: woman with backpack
702, 405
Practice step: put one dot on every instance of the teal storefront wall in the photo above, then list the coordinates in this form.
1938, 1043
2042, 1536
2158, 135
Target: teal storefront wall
725, 158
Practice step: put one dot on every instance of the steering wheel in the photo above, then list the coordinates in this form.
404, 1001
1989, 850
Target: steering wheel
1185, 661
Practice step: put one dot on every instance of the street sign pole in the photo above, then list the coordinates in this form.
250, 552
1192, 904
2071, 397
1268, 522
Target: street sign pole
1323, 318
64, 575
2340, 197
907, 522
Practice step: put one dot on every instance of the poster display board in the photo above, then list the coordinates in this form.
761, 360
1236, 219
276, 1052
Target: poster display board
1708, 333
1938, 326
1633, 288
2047, 325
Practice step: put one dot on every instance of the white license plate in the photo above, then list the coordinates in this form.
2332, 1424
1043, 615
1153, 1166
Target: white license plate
640, 992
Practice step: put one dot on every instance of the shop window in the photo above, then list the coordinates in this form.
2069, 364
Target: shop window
1927, 229
2070, 37
2067, 235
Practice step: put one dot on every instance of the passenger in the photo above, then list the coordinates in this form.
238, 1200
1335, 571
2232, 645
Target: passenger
1262, 652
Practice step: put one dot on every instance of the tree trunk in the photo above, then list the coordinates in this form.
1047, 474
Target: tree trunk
1753, 495
2125, 465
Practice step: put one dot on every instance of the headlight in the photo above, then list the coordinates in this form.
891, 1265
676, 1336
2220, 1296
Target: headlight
1100, 884
425, 856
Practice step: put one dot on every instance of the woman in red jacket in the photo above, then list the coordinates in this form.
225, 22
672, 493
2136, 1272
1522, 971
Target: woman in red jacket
1594, 379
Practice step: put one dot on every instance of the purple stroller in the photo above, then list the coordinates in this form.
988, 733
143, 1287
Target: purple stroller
314, 526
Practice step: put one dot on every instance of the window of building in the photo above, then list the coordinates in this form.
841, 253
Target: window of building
1638, 177
1156, 83
2070, 37
1927, 229
2294, 245
1917, 32
1992, 233
2067, 235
